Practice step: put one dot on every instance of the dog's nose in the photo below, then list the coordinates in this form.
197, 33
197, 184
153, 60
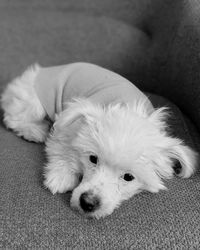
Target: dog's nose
89, 202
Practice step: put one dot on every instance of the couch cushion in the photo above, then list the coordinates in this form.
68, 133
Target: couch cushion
29, 34
31, 217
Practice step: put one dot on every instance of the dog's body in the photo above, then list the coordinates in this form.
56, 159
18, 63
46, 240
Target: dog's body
110, 134
56, 86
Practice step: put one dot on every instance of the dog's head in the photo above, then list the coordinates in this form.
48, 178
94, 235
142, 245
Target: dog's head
121, 151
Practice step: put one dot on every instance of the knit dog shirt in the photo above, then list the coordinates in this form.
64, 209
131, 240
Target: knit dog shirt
55, 86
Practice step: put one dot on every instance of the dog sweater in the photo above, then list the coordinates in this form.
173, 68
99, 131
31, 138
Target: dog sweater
55, 86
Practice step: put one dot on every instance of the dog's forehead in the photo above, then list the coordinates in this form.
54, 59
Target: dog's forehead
121, 148
121, 160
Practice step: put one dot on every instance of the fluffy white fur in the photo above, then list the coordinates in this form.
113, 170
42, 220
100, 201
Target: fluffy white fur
124, 139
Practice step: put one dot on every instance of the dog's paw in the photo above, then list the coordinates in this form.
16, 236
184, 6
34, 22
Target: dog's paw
61, 180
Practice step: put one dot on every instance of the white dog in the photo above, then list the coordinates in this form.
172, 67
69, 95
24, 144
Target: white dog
105, 131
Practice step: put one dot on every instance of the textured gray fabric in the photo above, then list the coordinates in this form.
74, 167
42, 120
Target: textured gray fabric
105, 32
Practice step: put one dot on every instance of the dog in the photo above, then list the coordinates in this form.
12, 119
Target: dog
105, 141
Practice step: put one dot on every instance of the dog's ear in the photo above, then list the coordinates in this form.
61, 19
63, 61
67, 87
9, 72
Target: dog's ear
76, 109
186, 156
174, 148
163, 163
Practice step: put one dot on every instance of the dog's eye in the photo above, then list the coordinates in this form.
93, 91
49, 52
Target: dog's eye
94, 159
128, 177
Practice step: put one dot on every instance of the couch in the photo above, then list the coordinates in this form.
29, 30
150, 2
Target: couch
156, 45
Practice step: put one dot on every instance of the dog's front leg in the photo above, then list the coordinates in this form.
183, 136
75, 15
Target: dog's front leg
60, 177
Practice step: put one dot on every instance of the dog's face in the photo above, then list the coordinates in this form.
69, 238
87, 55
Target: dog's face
121, 151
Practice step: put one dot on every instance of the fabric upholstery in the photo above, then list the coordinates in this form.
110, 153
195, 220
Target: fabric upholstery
151, 42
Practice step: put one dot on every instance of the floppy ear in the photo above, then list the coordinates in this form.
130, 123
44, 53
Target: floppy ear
162, 165
76, 109
186, 156
174, 148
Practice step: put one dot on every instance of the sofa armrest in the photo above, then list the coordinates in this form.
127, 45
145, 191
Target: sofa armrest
175, 54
